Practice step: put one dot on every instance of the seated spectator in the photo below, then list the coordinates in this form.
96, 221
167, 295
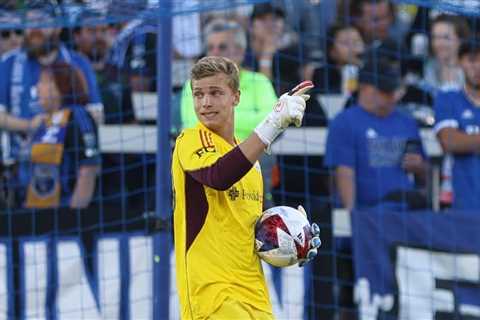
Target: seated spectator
375, 151
412, 98
345, 48
10, 38
442, 71
94, 42
64, 158
376, 21
134, 51
458, 129
268, 35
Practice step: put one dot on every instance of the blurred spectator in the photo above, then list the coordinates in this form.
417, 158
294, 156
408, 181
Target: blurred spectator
345, 49
11, 38
457, 126
94, 41
374, 151
375, 19
135, 49
442, 71
267, 36
20, 71
412, 98
369, 142
310, 19
61, 166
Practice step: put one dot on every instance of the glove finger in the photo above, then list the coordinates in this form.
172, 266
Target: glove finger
301, 88
312, 253
315, 242
305, 97
298, 121
315, 229
302, 210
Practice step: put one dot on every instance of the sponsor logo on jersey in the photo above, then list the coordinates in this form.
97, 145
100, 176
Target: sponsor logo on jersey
233, 193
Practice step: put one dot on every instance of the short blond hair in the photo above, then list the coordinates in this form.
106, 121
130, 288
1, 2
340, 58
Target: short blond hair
211, 66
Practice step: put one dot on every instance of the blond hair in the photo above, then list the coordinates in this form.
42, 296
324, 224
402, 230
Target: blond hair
211, 66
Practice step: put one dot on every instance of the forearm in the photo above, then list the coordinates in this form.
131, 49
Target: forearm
11, 123
84, 187
455, 141
345, 181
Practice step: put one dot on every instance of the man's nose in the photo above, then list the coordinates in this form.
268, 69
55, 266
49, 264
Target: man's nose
206, 101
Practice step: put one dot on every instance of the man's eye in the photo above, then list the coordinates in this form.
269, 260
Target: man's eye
198, 94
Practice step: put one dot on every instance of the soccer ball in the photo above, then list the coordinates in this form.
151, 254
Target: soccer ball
282, 236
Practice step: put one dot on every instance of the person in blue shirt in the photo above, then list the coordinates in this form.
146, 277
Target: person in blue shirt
20, 70
375, 154
457, 126
373, 148
63, 159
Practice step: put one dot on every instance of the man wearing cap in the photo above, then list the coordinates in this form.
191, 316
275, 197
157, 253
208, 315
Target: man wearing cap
375, 152
370, 144
457, 127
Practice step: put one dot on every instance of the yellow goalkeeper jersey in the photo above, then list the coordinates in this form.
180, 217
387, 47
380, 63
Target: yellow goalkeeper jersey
218, 198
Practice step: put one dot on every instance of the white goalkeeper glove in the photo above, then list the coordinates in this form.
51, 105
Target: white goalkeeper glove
315, 242
289, 109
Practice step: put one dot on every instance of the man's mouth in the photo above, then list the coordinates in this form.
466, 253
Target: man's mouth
209, 115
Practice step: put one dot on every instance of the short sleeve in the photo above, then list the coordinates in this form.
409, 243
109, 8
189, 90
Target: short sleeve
340, 149
84, 138
196, 149
444, 113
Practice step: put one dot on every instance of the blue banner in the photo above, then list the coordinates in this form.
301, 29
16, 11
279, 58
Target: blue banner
416, 265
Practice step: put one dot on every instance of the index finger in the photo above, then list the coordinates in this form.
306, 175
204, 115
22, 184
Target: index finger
301, 88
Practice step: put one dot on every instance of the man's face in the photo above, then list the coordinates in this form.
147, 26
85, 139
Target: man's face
375, 20
269, 26
379, 102
471, 67
223, 44
348, 47
214, 102
91, 41
39, 42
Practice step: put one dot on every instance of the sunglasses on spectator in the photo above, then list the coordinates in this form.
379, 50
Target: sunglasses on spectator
7, 33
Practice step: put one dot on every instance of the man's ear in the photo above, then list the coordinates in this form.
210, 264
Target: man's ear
237, 98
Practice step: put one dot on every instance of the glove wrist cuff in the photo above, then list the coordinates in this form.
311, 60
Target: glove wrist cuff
267, 132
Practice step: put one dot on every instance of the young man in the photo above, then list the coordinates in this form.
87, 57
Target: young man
218, 198
458, 128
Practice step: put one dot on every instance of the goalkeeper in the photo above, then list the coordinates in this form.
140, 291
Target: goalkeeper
218, 197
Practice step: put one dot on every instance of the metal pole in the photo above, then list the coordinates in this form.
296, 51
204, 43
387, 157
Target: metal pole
162, 241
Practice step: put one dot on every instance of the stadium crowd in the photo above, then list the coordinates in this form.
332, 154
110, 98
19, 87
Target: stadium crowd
398, 68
